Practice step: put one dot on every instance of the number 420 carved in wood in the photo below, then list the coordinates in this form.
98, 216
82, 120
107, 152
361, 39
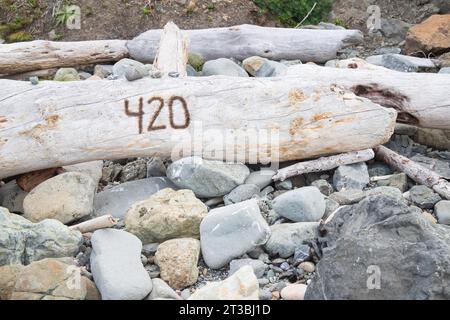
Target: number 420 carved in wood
160, 105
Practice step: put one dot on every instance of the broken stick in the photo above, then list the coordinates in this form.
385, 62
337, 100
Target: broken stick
324, 164
106, 221
415, 171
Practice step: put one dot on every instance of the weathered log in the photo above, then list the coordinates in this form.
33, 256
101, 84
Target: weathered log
172, 54
37, 73
102, 222
244, 41
324, 164
37, 55
59, 123
421, 99
415, 171
239, 42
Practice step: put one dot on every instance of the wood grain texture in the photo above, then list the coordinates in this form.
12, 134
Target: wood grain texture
421, 99
54, 124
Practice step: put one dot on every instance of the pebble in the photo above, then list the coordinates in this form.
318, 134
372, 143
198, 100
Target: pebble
324, 187
208, 179
305, 204
34, 81
286, 237
177, 260
241, 193
261, 178
240, 226
294, 292
224, 67
116, 265
259, 267
67, 74
424, 197
307, 266
155, 168
166, 215
11, 197
353, 176
162, 291
442, 210
66, 197
242, 285
134, 68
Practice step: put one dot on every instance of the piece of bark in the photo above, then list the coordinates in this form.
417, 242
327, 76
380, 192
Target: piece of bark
61, 123
415, 171
243, 41
422, 99
28, 181
89, 226
172, 54
22, 57
324, 164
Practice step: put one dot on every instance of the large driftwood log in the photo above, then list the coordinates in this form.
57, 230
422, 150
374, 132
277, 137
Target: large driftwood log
239, 42
244, 41
54, 123
324, 164
421, 99
172, 54
415, 171
37, 55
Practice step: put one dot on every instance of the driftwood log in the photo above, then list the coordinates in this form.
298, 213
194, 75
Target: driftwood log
421, 99
415, 171
244, 41
54, 123
324, 164
37, 55
239, 42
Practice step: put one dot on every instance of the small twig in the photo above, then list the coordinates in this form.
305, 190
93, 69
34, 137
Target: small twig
307, 16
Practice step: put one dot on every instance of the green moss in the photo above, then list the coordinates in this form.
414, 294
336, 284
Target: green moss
196, 61
19, 36
292, 12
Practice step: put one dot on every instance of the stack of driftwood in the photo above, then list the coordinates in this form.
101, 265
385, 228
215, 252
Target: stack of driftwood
332, 113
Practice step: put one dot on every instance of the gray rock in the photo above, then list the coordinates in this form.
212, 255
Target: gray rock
162, 291
156, 168
382, 239
34, 81
386, 191
324, 187
66, 74
134, 171
22, 242
445, 70
353, 176
11, 197
66, 197
284, 185
379, 169
240, 226
442, 211
191, 72
394, 29
116, 266
133, 73
262, 67
120, 68
84, 75
241, 193
346, 197
399, 181
424, 197
224, 67
103, 70
305, 204
265, 295
208, 179
331, 206
261, 178
402, 63
118, 199
286, 237
259, 267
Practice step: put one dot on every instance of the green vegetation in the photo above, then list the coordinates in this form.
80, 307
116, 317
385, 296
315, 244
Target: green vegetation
63, 15
16, 16
146, 10
292, 12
